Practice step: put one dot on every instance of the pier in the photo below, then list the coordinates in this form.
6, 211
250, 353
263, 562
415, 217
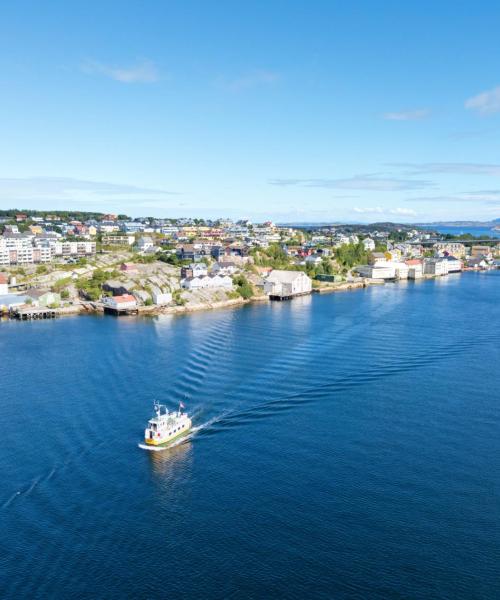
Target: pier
121, 312
32, 314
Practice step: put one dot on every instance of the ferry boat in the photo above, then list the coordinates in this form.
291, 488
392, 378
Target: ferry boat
165, 426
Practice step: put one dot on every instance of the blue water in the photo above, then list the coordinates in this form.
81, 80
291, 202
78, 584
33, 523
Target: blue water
482, 232
352, 450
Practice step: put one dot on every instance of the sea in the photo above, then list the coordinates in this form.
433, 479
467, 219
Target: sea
345, 446
481, 232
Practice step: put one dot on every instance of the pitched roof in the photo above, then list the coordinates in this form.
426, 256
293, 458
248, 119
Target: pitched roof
280, 276
124, 298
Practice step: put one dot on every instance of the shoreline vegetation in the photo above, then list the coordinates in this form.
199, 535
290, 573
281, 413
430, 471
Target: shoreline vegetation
87, 308
57, 264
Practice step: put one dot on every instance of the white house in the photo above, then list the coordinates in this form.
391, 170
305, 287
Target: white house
369, 244
160, 297
401, 270
4, 285
435, 266
225, 268
415, 271
127, 301
314, 260
284, 284
379, 271
145, 244
454, 264
207, 281
199, 269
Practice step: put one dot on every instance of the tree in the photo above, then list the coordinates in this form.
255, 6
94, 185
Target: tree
243, 287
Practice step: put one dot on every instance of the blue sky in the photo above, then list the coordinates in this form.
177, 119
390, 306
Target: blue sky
296, 111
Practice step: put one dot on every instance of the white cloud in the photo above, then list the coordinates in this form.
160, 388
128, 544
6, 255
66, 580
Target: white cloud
357, 182
406, 212
402, 212
456, 168
49, 189
409, 115
142, 72
368, 210
485, 103
250, 80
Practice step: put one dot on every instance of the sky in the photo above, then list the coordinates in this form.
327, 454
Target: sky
295, 111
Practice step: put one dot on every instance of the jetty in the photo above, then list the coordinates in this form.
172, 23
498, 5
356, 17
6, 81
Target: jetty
28, 313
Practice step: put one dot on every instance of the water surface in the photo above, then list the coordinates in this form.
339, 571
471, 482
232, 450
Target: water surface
352, 450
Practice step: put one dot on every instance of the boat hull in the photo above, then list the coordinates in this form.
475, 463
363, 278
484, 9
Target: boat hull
175, 438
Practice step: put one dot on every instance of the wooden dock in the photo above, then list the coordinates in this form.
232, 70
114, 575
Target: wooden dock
33, 314
121, 312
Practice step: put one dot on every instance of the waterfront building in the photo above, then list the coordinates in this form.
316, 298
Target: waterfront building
435, 266
43, 298
454, 264
381, 270
160, 298
285, 284
10, 301
124, 302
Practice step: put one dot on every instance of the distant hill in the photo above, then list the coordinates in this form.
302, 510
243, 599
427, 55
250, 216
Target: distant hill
484, 224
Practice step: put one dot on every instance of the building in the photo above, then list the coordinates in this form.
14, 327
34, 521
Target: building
379, 271
477, 263
435, 266
481, 252
415, 268
401, 270
74, 248
454, 264
145, 244
313, 260
43, 298
4, 285
207, 281
453, 248
286, 284
369, 244
118, 240
160, 298
131, 227
378, 258
9, 301
225, 268
194, 270
125, 302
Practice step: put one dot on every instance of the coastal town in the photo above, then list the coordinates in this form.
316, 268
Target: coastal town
53, 264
